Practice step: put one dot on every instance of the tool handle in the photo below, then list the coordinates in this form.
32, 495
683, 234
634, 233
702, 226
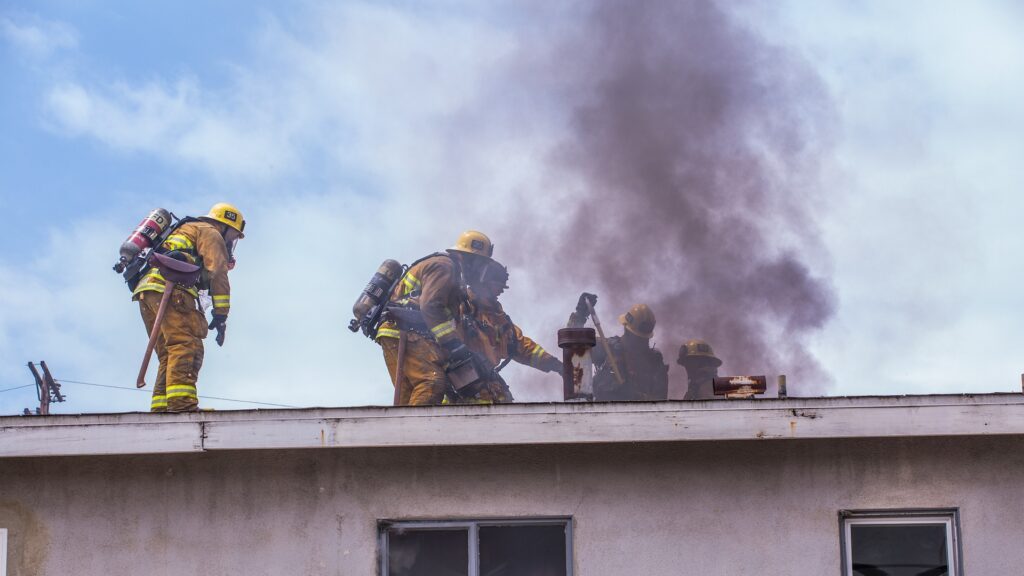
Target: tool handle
403, 340
604, 343
140, 382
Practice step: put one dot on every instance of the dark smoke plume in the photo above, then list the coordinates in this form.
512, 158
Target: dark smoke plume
692, 162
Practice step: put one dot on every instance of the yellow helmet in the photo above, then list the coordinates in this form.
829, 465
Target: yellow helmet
228, 214
696, 351
639, 320
473, 242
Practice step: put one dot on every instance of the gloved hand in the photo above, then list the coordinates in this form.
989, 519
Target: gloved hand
552, 364
219, 323
581, 306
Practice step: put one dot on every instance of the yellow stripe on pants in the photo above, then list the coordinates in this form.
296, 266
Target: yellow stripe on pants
179, 348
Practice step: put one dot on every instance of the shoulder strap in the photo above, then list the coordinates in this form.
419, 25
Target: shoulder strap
406, 269
405, 272
158, 245
428, 257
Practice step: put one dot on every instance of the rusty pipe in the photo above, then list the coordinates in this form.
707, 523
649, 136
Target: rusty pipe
607, 347
577, 366
140, 382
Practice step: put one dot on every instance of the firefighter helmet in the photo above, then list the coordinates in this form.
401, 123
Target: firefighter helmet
228, 214
473, 242
639, 320
696, 351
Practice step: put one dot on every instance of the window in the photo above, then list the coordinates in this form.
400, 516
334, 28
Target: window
901, 542
540, 547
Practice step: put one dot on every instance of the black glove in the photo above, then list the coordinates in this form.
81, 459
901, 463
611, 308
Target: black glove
552, 365
581, 307
219, 323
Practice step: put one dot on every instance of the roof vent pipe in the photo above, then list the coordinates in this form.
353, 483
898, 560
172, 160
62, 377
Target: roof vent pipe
577, 365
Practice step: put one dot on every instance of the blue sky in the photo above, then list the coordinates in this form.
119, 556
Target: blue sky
96, 42
321, 119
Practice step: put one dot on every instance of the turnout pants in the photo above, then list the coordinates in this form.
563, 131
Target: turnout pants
179, 347
423, 379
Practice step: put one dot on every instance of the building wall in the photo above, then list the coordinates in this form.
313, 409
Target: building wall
708, 508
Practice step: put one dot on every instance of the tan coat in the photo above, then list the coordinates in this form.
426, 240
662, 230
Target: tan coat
204, 243
432, 286
494, 335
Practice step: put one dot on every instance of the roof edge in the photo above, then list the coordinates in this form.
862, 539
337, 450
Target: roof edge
514, 424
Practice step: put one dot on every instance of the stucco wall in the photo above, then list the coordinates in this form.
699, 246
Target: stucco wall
703, 508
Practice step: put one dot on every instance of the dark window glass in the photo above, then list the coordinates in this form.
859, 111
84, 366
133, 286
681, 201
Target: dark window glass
522, 550
899, 550
428, 552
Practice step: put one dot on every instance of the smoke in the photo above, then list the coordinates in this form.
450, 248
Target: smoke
688, 178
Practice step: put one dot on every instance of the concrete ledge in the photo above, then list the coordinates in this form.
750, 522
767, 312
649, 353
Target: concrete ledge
92, 439
515, 424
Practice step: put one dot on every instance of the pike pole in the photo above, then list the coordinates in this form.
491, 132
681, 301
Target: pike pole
140, 382
403, 340
175, 272
605, 345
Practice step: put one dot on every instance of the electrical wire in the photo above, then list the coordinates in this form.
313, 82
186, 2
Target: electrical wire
16, 388
62, 381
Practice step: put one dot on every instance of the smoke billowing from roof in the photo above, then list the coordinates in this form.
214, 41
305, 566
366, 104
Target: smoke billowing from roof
689, 177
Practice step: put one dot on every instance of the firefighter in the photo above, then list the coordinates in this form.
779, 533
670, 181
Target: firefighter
208, 241
643, 372
422, 312
701, 368
487, 329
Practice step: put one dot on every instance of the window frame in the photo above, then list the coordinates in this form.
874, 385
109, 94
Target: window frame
3, 551
905, 516
472, 528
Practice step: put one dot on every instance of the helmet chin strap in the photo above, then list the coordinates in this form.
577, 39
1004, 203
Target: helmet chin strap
481, 273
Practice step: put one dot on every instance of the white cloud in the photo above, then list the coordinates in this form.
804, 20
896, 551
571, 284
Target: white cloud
927, 187
177, 123
38, 38
366, 86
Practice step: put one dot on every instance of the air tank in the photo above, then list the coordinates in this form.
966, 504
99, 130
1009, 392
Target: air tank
144, 235
377, 290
